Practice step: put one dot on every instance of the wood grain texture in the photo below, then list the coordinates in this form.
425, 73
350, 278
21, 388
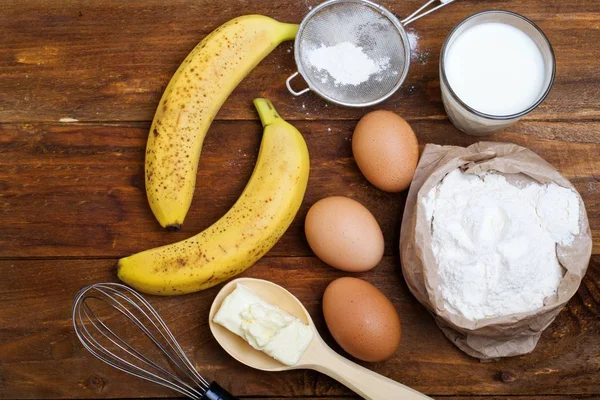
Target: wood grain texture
72, 196
110, 60
78, 190
38, 346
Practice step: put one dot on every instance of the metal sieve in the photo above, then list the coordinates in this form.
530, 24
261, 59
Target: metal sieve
379, 34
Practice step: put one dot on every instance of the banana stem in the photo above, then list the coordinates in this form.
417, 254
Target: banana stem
267, 113
289, 31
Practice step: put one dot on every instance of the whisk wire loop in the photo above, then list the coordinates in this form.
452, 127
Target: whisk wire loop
103, 329
107, 345
125, 311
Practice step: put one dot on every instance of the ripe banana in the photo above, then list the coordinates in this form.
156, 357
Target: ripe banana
245, 233
190, 102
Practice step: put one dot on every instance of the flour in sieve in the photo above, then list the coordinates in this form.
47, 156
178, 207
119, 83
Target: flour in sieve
346, 63
495, 243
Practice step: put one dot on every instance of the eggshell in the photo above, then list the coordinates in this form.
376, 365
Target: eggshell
344, 234
386, 150
361, 319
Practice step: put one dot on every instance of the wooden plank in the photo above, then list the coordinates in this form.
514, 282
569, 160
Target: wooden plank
41, 357
73, 193
110, 60
78, 190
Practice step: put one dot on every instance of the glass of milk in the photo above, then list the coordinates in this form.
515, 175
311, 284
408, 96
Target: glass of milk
495, 67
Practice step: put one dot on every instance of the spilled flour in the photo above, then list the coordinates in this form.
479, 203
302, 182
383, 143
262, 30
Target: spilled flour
413, 41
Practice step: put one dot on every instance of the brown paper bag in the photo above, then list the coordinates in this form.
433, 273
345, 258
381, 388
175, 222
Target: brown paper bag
490, 338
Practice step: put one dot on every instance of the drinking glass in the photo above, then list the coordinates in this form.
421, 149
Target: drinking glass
477, 123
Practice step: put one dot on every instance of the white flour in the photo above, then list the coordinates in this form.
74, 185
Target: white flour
413, 41
495, 243
416, 54
346, 63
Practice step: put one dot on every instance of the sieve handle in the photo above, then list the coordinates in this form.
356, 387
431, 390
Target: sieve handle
289, 85
420, 13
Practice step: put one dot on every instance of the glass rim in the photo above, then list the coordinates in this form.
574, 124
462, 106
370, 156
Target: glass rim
482, 114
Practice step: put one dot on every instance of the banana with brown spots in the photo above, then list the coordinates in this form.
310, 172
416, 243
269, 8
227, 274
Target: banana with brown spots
190, 102
245, 233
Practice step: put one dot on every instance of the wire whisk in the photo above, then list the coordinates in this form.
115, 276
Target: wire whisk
102, 335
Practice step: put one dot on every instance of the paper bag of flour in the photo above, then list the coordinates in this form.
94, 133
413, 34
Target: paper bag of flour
487, 338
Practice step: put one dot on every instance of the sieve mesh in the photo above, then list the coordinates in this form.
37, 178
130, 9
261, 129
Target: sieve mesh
364, 24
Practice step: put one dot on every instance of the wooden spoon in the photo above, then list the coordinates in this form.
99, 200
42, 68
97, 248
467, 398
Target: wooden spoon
318, 356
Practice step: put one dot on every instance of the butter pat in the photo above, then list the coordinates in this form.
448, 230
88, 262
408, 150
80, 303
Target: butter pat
264, 326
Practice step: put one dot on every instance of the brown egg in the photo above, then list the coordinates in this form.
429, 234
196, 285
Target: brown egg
361, 319
386, 150
344, 234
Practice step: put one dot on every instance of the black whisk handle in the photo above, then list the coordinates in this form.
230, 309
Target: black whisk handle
216, 392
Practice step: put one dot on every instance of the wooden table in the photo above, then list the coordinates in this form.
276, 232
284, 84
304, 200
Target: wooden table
79, 82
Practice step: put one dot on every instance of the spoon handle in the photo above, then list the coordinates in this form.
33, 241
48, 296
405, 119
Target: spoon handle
363, 381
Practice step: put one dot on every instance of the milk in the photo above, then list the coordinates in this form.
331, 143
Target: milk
495, 68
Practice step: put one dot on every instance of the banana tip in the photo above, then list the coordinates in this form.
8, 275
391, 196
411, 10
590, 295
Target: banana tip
174, 227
